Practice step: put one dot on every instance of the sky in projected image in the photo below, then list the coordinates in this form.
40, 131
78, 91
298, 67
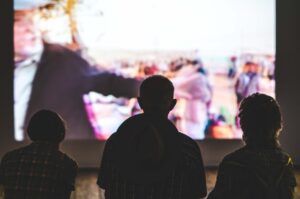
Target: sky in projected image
214, 30
222, 27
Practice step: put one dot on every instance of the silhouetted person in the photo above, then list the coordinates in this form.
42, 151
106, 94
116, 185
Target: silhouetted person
259, 170
147, 157
39, 170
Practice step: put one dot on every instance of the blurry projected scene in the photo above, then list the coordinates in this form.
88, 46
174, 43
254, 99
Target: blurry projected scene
216, 52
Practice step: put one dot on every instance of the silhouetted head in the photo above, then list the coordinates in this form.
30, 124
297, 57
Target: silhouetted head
46, 125
156, 95
260, 120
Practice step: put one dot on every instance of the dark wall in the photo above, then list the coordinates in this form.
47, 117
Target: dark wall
288, 73
6, 75
88, 153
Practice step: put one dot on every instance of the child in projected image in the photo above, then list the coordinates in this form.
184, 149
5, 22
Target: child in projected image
192, 112
248, 81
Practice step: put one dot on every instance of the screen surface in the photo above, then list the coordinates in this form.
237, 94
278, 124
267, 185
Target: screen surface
85, 60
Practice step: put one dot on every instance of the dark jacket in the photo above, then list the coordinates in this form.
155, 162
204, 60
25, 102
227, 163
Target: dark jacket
149, 158
248, 174
61, 80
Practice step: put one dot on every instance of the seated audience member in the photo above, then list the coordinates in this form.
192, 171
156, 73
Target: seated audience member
147, 157
261, 169
39, 170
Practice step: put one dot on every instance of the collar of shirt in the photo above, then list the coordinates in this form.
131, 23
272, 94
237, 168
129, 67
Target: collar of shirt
30, 60
24, 73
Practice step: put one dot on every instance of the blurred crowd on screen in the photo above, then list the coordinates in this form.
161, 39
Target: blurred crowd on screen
197, 113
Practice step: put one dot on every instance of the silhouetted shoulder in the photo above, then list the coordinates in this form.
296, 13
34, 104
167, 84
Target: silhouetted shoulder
72, 163
14, 153
187, 142
191, 153
36, 150
245, 155
126, 128
133, 122
237, 154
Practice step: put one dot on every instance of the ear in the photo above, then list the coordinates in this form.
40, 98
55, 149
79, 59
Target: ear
173, 103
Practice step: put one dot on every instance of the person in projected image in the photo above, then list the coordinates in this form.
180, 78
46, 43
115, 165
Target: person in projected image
194, 115
147, 157
39, 170
50, 76
248, 81
261, 169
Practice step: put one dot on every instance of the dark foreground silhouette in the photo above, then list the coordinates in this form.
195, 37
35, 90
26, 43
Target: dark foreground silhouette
39, 170
147, 157
261, 169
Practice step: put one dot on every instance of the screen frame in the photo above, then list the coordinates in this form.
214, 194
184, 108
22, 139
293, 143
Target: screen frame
88, 152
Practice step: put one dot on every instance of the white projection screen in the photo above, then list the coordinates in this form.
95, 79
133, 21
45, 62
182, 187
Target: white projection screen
86, 58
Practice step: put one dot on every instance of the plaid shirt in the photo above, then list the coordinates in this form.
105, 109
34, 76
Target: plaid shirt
185, 181
38, 171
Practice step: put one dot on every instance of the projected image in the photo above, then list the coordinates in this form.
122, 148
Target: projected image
86, 59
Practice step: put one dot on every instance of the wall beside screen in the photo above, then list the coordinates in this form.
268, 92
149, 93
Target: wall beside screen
88, 152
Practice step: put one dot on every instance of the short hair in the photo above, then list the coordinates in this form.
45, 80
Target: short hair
260, 120
157, 88
46, 125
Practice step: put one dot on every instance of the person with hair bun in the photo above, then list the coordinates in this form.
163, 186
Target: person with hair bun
260, 169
